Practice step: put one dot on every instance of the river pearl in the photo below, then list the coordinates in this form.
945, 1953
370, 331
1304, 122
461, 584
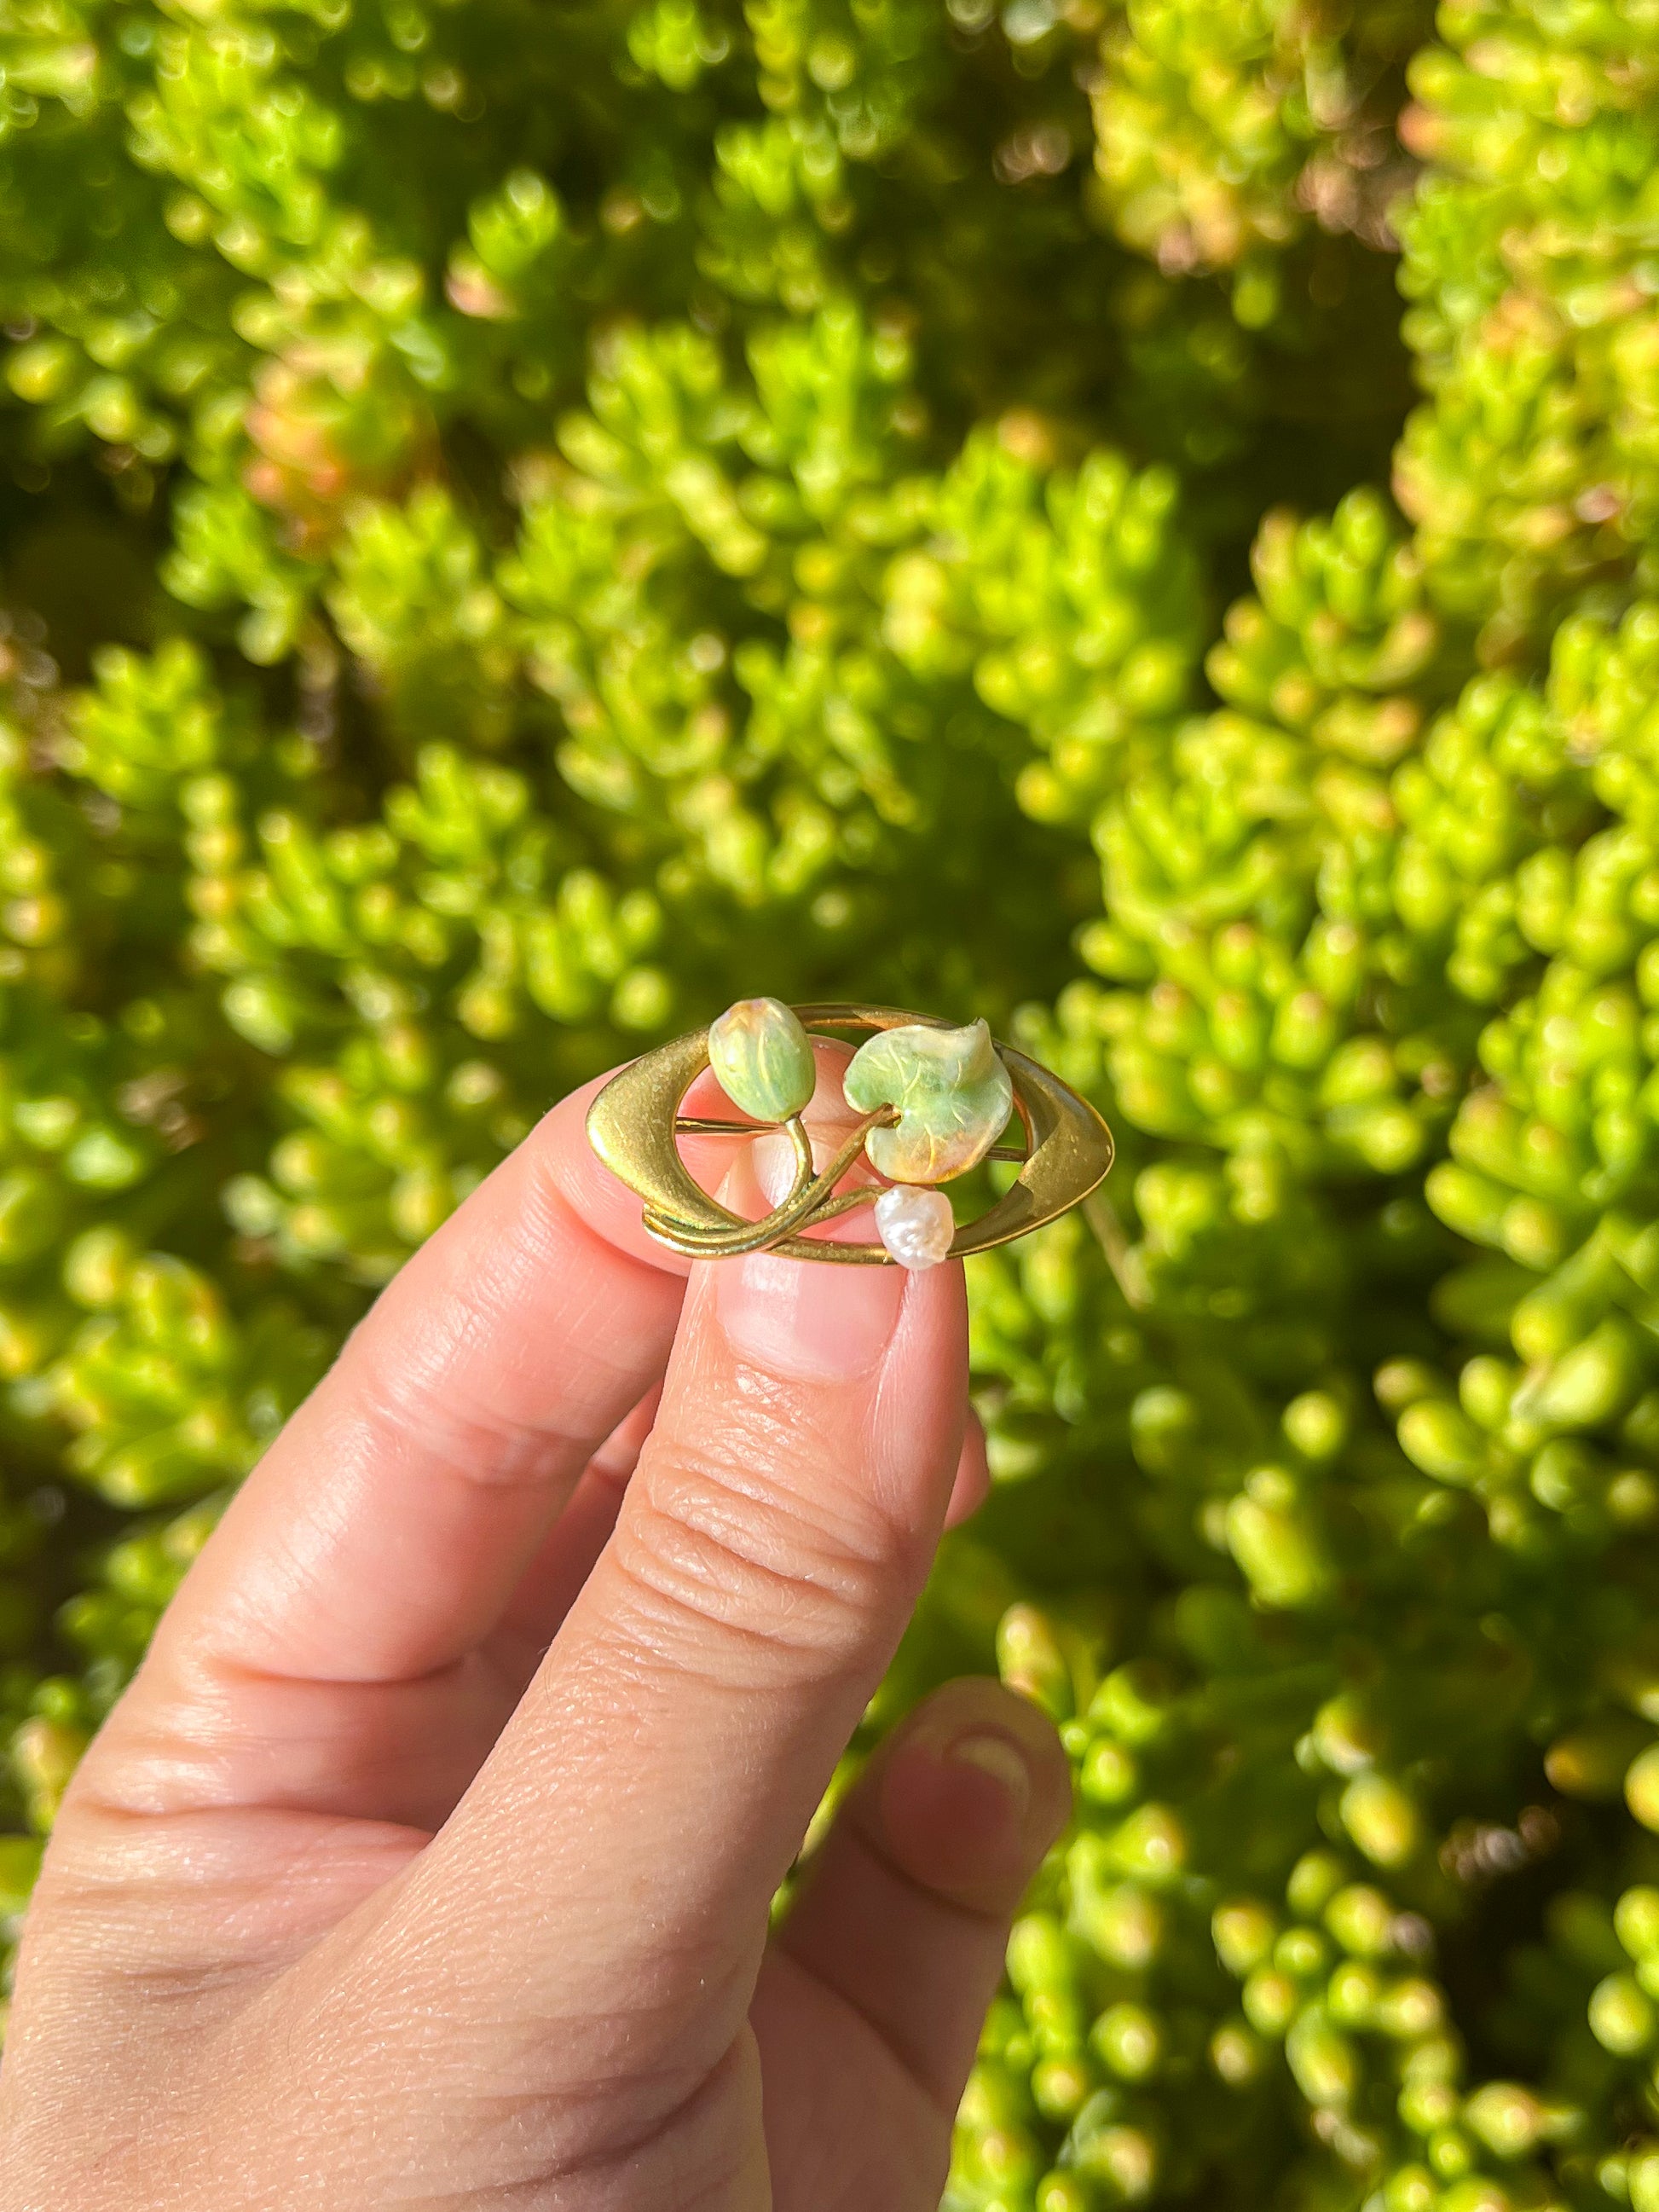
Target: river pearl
916, 1226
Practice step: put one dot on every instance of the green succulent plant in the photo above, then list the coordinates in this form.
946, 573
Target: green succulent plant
1131, 524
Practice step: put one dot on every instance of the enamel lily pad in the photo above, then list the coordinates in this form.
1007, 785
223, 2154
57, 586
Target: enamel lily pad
953, 1096
762, 1059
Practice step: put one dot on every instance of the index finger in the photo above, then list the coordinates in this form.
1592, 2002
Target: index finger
383, 1533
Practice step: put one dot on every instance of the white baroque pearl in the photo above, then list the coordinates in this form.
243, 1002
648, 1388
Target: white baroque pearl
916, 1225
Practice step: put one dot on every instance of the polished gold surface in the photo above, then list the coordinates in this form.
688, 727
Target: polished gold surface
633, 1123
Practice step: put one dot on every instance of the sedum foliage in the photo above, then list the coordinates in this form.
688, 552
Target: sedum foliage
522, 525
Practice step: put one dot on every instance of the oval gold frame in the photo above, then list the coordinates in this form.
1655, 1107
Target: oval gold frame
632, 1125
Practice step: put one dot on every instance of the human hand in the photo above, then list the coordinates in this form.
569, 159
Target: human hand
428, 1861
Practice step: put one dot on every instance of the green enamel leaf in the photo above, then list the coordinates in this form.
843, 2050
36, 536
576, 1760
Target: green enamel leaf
953, 1095
762, 1059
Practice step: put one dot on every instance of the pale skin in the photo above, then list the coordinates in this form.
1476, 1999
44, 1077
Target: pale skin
427, 1864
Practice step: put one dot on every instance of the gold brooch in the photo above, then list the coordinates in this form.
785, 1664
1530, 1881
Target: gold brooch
933, 1101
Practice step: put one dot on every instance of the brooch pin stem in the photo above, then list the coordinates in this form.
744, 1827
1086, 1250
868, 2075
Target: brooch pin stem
704, 1125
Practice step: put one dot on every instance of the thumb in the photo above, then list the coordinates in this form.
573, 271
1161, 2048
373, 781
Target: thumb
609, 1871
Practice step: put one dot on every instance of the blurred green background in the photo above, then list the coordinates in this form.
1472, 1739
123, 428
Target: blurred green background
521, 523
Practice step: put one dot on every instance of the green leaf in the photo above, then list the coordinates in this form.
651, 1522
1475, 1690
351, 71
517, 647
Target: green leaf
952, 1092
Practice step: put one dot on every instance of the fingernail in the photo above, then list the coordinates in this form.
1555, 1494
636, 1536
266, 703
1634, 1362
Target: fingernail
773, 1163
1000, 1758
807, 1319
772, 1157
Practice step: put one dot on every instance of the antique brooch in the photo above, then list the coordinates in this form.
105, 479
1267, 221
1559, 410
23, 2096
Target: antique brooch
933, 1101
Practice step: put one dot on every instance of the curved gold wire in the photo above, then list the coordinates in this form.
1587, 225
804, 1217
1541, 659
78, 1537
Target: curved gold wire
633, 1123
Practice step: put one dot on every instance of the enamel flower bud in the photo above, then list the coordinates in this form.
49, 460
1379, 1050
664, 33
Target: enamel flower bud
762, 1059
953, 1093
